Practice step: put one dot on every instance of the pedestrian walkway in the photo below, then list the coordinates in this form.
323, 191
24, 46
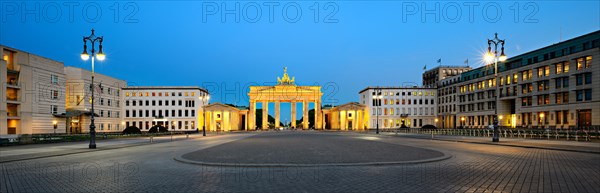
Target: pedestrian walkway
33, 151
575, 146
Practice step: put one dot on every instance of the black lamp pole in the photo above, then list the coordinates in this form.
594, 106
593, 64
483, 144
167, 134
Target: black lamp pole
494, 56
100, 56
377, 104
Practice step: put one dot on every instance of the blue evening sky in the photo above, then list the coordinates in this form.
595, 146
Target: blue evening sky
353, 44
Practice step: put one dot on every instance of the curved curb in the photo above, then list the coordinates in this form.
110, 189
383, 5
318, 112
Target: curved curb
179, 158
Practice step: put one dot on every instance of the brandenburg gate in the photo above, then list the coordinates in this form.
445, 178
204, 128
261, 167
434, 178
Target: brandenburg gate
286, 91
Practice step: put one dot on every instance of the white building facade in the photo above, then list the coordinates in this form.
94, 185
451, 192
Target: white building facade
178, 108
395, 107
32, 93
107, 101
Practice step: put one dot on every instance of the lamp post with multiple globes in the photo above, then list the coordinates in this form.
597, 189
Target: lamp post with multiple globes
377, 101
494, 57
92, 39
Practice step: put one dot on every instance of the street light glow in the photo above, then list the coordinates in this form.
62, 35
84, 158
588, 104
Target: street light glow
489, 57
100, 56
502, 58
85, 56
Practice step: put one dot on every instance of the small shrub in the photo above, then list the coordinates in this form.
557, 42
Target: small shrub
132, 130
428, 127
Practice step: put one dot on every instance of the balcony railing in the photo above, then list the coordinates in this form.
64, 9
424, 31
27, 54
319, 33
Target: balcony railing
12, 98
13, 114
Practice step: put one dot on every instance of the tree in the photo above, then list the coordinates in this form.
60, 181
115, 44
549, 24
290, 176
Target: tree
132, 130
311, 119
258, 119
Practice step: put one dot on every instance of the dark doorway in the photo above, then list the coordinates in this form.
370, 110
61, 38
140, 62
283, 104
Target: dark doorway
584, 118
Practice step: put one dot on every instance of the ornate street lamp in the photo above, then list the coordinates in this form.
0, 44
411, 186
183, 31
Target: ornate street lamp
85, 56
494, 57
377, 101
204, 101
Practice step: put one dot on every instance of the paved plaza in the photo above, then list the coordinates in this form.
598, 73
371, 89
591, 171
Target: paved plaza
309, 149
146, 167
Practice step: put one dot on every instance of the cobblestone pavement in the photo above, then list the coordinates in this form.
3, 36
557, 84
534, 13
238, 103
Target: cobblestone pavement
543, 143
151, 168
310, 148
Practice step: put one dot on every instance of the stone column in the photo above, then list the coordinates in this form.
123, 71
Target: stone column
305, 114
343, 120
213, 121
318, 118
293, 118
355, 120
225, 117
277, 117
251, 115
265, 114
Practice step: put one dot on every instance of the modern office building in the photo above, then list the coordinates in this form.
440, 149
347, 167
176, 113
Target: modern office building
551, 87
32, 94
107, 101
399, 106
178, 108
432, 77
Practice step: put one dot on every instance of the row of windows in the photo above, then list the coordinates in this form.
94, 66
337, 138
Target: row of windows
378, 102
188, 103
543, 71
173, 125
413, 93
109, 114
160, 113
447, 108
98, 101
101, 88
398, 122
160, 94
559, 98
109, 127
405, 111
480, 106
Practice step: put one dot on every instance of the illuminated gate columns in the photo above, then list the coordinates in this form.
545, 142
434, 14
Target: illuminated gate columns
287, 92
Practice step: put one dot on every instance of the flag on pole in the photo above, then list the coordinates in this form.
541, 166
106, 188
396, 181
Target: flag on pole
439, 61
425, 67
467, 61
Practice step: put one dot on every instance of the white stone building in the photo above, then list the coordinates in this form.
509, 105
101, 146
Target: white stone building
107, 101
32, 94
400, 106
178, 108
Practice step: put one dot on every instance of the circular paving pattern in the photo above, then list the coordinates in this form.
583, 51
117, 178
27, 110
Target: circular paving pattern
306, 148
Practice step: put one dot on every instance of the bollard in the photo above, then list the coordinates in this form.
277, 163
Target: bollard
151, 139
187, 135
576, 136
431, 134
